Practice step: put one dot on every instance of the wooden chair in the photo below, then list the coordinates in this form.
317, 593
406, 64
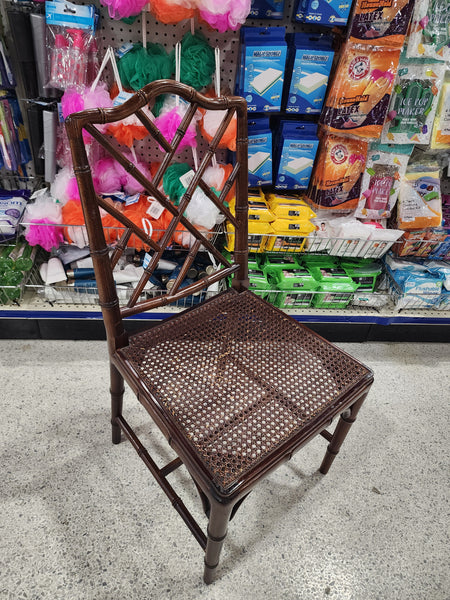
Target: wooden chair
235, 385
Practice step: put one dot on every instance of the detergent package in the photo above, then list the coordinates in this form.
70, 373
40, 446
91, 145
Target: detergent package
323, 12
310, 59
381, 23
385, 166
262, 63
267, 9
336, 180
259, 152
295, 146
358, 100
413, 103
419, 201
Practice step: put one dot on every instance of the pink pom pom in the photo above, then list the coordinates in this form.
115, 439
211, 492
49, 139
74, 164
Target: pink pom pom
71, 102
129, 183
72, 189
224, 14
41, 234
98, 98
107, 177
168, 124
118, 9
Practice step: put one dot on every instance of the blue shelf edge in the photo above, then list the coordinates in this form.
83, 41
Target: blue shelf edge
155, 316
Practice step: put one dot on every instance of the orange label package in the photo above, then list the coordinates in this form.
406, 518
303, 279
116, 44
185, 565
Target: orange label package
336, 179
381, 22
359, 97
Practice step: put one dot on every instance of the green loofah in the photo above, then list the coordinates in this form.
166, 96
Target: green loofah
140, 66
197, 61
171, 181
159, 101
129, 20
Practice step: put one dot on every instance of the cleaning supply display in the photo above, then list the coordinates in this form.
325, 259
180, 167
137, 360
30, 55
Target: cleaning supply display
430, 34
413, 102
383, 23
310, 59
295, 146
440, 137
336, 179
385, 166
413, 285
259, 152
419, 201
262, 62
323, 12
267, 9
335, 286
358, 100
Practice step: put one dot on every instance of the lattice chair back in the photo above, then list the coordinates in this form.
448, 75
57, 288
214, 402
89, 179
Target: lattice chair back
104, 262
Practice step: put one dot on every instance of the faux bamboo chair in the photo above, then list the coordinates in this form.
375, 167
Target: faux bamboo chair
235, 385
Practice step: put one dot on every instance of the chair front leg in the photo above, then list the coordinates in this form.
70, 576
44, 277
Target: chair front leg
117, 389
217, 532
346, 420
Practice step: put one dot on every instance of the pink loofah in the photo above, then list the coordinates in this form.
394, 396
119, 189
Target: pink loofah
97, 98
72, 189
119, 9
71, 102
168, 123
41, 233
107, 177
224, 14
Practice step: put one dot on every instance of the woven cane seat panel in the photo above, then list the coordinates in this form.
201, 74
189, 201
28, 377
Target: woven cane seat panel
239, 379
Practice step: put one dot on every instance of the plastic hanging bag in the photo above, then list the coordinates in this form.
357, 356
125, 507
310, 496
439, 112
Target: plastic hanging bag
385, 166
419, 202
380, 23
358, 100
430, 30
413, 103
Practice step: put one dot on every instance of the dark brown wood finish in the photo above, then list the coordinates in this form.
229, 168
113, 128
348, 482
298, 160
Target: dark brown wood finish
235, 385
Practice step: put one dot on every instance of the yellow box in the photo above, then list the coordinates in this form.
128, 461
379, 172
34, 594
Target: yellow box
290, 235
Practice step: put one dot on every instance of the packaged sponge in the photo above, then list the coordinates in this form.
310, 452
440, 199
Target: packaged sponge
295, 145
323, 12
262, 63
259, 152
267, 9
310, 58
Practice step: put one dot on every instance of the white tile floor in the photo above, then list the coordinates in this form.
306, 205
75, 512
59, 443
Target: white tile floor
82, 519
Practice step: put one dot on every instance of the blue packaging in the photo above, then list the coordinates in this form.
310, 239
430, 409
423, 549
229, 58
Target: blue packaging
325, 12
259, 152
309, 62
262, 65
267, 9
296, 146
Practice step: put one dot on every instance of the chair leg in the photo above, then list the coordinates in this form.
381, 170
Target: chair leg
117, 389
346, 420
217, 532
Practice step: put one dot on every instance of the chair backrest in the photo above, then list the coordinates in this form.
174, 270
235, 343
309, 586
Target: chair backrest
104, 261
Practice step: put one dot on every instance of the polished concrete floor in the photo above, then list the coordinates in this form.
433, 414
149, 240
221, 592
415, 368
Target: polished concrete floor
82, 519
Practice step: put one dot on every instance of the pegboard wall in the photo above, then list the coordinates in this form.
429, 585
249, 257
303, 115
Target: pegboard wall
115, 33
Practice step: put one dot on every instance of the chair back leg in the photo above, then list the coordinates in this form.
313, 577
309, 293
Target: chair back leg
346, 420
117, 390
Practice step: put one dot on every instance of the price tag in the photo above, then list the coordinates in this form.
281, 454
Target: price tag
155, 210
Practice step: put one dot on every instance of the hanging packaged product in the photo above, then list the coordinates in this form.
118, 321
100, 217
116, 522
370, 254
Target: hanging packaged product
419, 200
310, 58
429, 36
358, 100
323, 12
261, 76
440, 138
70, 36
413, 103
295, 146
336, 180
381, 23
386, 164
259, 152
267, 9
